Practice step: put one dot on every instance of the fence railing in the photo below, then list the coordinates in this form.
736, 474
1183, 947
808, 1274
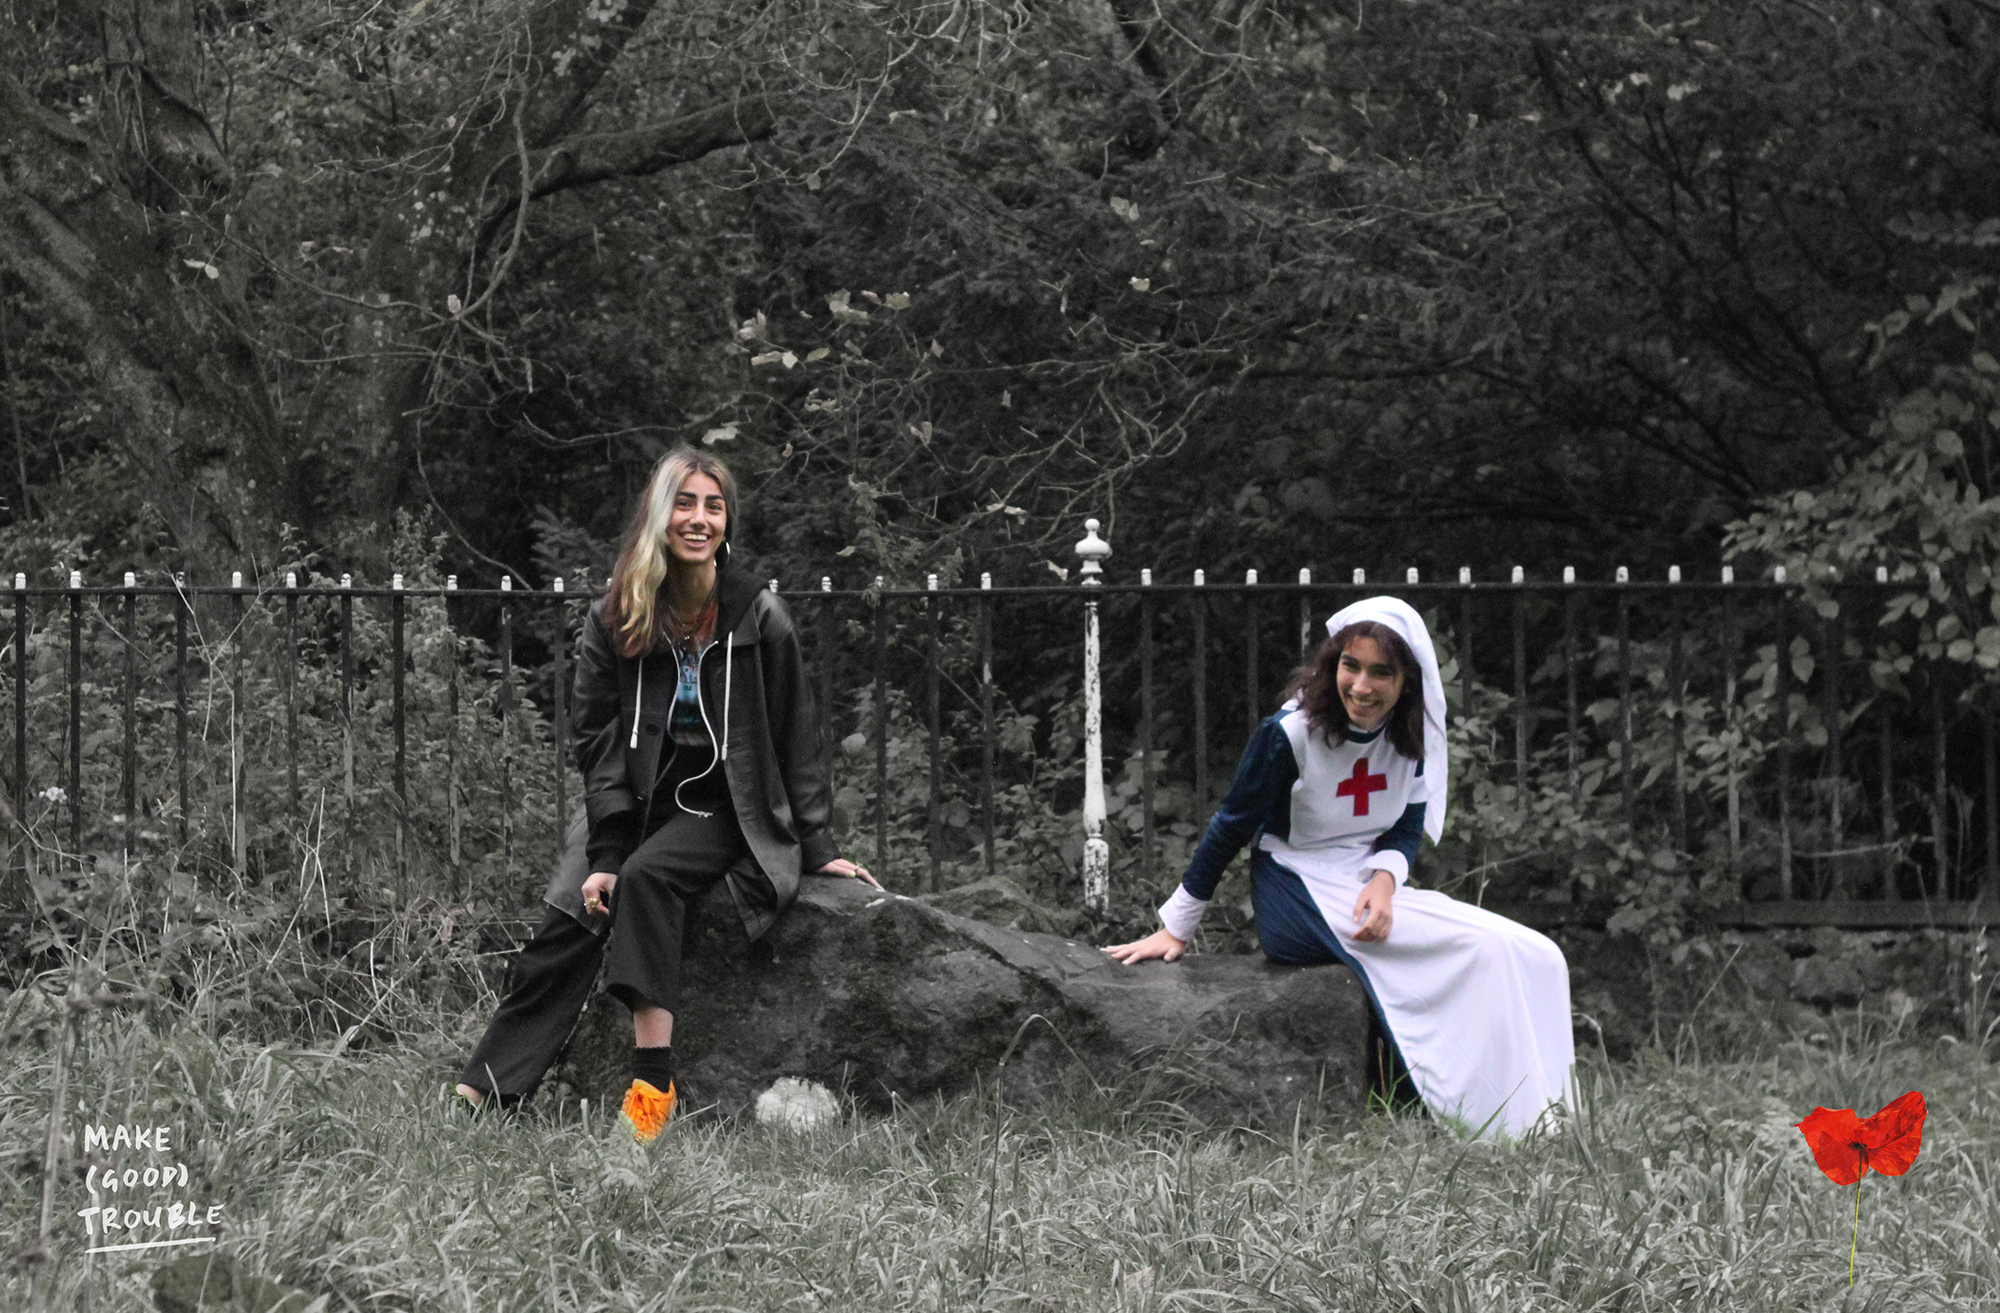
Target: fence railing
1648, 745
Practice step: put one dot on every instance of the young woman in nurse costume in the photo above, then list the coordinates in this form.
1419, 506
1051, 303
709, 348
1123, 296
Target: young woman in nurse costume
1334, 791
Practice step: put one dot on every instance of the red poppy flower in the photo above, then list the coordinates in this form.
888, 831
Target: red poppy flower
1847, 1148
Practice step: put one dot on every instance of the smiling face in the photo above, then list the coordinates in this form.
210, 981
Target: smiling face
1369, 683
699, 518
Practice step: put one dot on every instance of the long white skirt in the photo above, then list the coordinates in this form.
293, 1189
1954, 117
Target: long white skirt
1478, 1004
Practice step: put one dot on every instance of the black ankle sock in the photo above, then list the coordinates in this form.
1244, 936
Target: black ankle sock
654, 1066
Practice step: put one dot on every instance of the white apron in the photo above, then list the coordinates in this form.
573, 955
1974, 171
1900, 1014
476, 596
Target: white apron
1478, 1005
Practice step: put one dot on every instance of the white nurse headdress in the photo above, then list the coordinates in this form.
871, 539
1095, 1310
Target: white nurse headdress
1401, 617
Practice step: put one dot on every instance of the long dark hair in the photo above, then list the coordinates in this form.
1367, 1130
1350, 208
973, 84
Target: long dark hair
1314, 685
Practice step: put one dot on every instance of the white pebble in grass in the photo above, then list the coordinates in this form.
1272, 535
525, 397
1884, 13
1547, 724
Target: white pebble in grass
795, 1104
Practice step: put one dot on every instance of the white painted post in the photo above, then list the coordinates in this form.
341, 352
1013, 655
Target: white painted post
1096, 852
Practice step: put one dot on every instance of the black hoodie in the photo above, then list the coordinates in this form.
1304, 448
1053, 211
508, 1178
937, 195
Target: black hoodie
765, 737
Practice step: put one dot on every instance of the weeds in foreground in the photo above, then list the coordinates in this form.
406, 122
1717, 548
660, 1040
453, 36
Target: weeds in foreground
1671, 1185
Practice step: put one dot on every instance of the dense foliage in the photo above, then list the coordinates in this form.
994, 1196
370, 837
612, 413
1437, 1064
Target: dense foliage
1429, 283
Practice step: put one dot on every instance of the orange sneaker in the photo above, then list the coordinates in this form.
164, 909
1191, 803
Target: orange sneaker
647, 1109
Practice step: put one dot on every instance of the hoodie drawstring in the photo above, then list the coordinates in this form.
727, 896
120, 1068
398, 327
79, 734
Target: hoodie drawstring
722, 743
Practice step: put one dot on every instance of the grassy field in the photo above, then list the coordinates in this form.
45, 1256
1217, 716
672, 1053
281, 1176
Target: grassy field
1674, 1186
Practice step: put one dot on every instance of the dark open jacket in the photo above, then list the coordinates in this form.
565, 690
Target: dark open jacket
774, 764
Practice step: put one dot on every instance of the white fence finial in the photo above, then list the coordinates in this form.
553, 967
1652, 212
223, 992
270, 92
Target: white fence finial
1778, 574
1729, 574
1673, 574
131, 580
1092, 549
1249, 576
1360, 575
1624, 575
1201, 578
1520, 575
1410, 575
1465, 574
1569, 574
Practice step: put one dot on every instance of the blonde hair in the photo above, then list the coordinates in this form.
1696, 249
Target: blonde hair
631, 609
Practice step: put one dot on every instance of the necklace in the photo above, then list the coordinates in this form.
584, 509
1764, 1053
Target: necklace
681, 627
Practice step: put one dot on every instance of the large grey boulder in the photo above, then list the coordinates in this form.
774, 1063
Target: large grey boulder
893, 999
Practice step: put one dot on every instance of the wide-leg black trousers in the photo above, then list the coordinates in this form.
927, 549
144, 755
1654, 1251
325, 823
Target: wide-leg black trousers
556, 970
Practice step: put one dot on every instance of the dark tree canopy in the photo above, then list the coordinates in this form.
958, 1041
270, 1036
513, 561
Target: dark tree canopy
1256, 283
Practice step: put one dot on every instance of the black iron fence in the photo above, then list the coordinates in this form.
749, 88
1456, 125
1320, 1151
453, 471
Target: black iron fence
1752, 750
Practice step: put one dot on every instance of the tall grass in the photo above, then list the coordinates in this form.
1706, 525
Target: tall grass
1673, 1185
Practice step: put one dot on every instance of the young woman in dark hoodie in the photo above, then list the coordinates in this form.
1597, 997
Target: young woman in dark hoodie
700, 753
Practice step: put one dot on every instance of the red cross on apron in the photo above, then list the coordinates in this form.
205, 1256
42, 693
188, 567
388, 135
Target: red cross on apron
1359, 785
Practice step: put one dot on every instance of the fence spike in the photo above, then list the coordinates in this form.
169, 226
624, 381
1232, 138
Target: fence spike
1729, 574
1881, 574
1569, 574
1410, 575
292, 578
76, 578
878, 581
131, 580
396, 582
1146, 578
930, 582
1465, 574
346, 581
1624, 575
1520, 575
1249, 576
1201, 578
986, 579
826, 583
506, 583
451, 581
1777, 574
235, 578
557, 586
1360, 575
1673, 574
20, 581
1305, 576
